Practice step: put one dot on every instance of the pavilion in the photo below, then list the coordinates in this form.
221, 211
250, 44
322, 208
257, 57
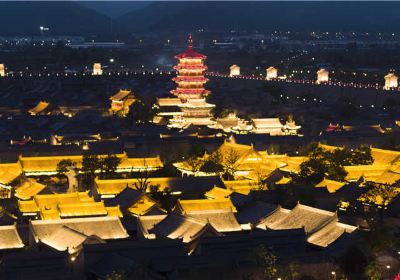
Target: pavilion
121, 102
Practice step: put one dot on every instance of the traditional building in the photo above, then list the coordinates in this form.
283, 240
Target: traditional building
390, 81
234, 70
2, 70
272, 73
274, 127
42, 108
190, 91
70, 234
9, 238
322, 76
121, 101
66, 205
135, 202
194, 112
97, 69
244, 162
190, 79
322, 227
169, 107
47, 165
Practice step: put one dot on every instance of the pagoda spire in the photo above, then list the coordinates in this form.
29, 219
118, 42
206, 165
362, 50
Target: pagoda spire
190, 41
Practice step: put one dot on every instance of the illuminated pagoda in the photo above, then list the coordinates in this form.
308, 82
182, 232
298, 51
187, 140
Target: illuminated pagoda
390, 81
272, 73
322, 76
190, 79
190, 92
97, 69
121, 101
234, 70
2, 70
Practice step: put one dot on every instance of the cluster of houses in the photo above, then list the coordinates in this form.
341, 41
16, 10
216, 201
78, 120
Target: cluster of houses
208, 214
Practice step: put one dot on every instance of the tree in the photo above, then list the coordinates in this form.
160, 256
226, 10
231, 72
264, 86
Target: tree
362, 156
229, 161
353, 261
267, 259
379, 196
141, 112
213, 163
195, 163
372, 271
142, 182
90, 165
64, 165
109, 164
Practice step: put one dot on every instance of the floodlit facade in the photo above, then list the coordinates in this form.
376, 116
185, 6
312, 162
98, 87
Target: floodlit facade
272, 73
322, 76
97, 69
121, 101
2, 70
234, 70
390, 81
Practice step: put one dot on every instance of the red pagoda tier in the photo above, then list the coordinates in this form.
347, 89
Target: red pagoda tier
190, 79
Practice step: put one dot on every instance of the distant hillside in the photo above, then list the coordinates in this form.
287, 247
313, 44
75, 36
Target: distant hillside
70, 18
114, 9
300, 16
61, 17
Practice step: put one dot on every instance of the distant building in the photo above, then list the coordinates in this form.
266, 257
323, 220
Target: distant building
97, 69
66, 205
390, 81
272, 73
42, 108
322, 76
234, 70
121, 101
274, 127
2, 70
